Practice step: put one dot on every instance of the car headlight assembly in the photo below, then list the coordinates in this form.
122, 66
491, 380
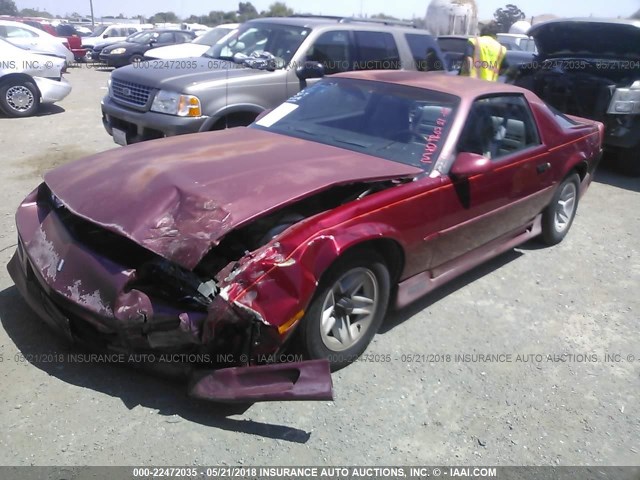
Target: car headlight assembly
178, 104
626, 101
118, 51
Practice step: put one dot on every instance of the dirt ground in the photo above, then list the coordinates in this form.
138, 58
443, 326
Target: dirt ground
548, 396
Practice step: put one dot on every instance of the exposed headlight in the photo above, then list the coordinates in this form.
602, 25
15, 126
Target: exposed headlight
176, 104
118, 51
626, 101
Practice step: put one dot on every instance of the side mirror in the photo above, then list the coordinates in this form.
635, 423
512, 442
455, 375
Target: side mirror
468, 164
310, 70
106, 35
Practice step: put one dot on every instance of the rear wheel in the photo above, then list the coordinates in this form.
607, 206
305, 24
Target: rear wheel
19, 98
347, 310
559, 214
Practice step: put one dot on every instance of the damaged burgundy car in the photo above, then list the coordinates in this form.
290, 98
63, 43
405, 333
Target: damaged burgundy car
362, 191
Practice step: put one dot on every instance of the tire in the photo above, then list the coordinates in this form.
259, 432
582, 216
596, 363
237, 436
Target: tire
19, 98
136, 59
351, 332
559, 214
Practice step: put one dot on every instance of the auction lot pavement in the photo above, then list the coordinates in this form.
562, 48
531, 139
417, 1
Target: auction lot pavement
531, 359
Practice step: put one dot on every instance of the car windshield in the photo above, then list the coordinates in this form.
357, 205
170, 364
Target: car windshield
99, 30
142, 37
133, 36
396, 122
212, 36
260, 39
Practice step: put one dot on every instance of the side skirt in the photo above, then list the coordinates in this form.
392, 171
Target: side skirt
419, 285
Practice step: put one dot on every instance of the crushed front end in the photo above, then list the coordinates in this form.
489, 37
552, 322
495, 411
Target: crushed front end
104, 291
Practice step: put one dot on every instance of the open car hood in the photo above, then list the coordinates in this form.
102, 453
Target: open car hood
590, 37
179, 196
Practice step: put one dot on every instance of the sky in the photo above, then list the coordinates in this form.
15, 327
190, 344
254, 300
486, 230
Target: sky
404, 9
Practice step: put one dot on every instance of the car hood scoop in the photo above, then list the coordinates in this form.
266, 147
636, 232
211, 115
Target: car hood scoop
179, 196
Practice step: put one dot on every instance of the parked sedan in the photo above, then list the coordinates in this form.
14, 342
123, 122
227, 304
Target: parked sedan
28, 80
195, 48
134, 49
34, 39
362, 192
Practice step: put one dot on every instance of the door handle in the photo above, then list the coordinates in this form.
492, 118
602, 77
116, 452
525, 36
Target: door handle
543, 167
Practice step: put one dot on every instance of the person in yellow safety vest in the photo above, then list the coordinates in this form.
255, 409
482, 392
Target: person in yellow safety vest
483, 58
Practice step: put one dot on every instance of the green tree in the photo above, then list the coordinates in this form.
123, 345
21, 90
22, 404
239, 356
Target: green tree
490, 28
31, 12
8, 7
505, 17
246, 11
164, 17
636, 16
278, 9
383, 16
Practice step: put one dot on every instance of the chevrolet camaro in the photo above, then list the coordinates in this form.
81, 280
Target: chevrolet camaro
363, 192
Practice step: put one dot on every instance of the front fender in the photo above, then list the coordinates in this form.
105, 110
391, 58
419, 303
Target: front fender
279, 286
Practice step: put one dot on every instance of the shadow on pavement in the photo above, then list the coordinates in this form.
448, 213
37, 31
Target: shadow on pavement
38, 346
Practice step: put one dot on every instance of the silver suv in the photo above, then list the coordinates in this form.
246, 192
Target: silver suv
265, 62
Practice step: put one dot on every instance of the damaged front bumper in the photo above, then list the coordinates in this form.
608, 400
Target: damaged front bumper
90, 301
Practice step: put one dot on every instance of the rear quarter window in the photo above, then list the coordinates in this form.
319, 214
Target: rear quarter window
376, 51
561, 118
424, 51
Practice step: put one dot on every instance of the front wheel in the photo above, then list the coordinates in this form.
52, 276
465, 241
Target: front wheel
347, 310
19, 98
559, 214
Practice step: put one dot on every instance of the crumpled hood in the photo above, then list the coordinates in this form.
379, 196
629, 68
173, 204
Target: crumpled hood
179, 196
608, 38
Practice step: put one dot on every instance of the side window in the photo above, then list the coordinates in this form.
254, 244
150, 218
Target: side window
131, 31
17, 32
165, 37
376, 51
331, 49
499, 126
423, 51
183, 37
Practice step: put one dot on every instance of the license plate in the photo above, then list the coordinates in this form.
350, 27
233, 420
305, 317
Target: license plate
119, 136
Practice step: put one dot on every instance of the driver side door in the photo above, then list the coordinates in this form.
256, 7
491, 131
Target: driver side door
501, 202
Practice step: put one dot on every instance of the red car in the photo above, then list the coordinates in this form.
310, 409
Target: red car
364, 191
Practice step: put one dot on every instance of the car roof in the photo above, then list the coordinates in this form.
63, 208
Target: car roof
460, 86
342, 23
163, 30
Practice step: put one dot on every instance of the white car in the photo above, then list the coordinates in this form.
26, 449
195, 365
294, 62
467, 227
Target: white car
39, 80
195, 48
34, 39
115, 33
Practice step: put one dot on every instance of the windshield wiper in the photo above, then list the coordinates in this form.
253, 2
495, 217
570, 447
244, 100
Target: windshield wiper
303, 130
351, 142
